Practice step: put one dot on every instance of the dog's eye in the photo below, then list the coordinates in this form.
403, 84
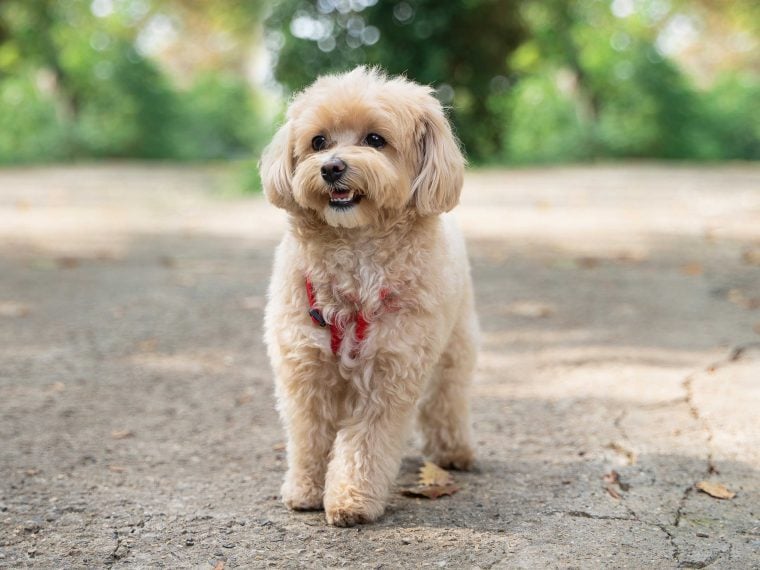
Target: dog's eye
319, 142
374, 140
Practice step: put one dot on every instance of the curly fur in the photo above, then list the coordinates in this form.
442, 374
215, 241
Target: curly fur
347, 414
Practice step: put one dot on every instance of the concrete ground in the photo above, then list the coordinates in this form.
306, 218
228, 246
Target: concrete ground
620, 309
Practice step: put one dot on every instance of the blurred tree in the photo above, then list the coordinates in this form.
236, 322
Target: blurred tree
461, 48
84, 78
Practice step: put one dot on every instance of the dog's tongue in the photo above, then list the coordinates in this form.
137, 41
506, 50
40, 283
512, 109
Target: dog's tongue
341, 194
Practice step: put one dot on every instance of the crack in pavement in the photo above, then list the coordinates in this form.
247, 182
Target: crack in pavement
711, 468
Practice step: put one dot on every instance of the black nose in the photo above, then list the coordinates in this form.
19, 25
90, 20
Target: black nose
333, 169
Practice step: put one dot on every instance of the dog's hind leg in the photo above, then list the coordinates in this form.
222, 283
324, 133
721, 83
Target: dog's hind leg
444, 409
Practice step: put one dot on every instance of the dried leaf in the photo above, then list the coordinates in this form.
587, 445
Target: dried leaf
122, 434
431, 474
631, 257
715, 490
692, 269
613, 493
622, 450
244, 398
278, 447
147, 345
613, 478
530, 309
219, 565
587, 262
737, 297
68, 262
13, 310
433, 482
167, 261
751, 256
116, 469
431, 491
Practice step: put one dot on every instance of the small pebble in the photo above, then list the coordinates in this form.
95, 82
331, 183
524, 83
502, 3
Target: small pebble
189, 541
703, 535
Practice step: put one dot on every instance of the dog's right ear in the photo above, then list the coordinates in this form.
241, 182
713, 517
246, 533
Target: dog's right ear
276, 168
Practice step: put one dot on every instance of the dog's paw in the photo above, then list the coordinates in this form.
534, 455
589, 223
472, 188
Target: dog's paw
351, 516
302, 496
460, 460
349, 509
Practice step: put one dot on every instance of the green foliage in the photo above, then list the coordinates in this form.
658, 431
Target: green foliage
29, 127
557, 80
459, 47
525, 81
732, 117
220, 119
76, 85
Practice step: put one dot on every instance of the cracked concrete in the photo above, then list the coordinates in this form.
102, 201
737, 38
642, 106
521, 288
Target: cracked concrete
136, 418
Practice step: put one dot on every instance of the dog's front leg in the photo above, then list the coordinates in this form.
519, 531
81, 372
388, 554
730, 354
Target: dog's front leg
368, 446
309, 400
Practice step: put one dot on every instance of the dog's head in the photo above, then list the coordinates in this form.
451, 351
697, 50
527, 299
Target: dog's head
358, 145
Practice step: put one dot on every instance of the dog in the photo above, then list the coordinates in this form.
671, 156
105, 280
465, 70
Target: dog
370, 318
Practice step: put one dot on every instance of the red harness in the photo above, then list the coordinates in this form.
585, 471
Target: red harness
337, 331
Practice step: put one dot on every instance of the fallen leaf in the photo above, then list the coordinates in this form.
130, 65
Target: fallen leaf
530, 309
715, 490
122, 434
167, 261
431, 491
631, 257
219, 565
431, 474
244, 398
116, 469
57, 387
613, 478
433, 482
33, 471
278, 447
13, 310
587, 262
751, 256
612, 492
622, 450
67, 262
147, 345
692, 269
737, 297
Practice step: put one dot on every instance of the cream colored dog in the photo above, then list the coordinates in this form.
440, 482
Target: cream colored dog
370, 313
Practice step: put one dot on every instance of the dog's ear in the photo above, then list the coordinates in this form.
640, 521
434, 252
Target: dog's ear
276, 168
439, 181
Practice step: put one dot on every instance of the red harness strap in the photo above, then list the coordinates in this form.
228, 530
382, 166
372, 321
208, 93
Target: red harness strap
336, 332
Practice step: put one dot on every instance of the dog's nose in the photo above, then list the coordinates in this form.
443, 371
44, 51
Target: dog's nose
333, 169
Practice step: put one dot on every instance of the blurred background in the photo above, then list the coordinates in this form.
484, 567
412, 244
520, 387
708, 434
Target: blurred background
527, 81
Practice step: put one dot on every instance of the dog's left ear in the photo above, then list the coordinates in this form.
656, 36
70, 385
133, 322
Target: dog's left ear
439, 182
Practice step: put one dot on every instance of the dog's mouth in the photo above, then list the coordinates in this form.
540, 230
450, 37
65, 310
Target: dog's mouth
342, 199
